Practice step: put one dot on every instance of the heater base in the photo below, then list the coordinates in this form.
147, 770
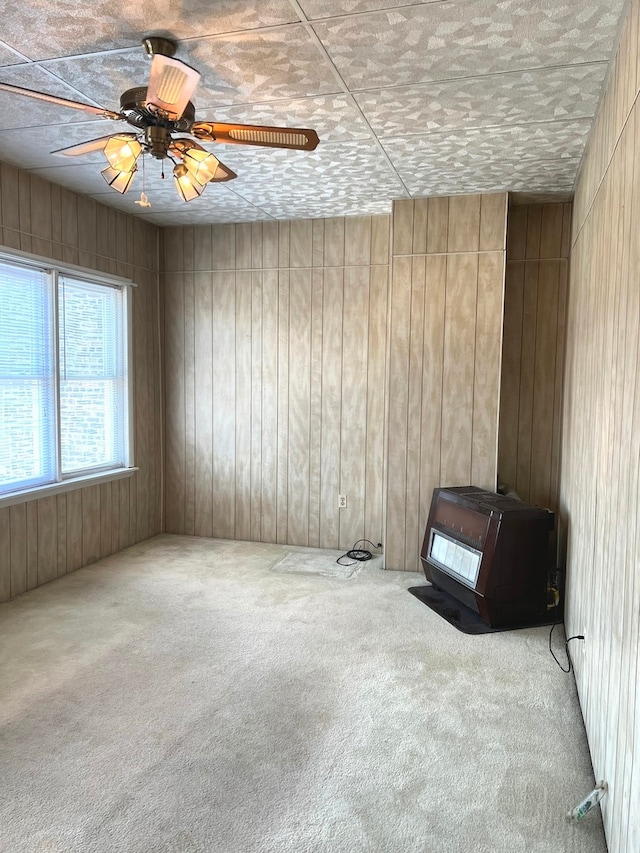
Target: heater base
462, 617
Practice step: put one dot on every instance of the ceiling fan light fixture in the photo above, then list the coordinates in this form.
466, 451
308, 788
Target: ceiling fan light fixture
156, 113
202, 165
118, 180
122, 154
188, 187
171, 85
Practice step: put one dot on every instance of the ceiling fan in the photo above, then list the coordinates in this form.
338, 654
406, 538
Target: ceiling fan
161, 111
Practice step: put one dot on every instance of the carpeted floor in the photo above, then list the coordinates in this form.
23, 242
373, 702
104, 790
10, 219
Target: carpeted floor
181, 696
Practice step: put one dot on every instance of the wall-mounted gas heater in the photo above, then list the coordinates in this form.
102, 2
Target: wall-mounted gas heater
491, 553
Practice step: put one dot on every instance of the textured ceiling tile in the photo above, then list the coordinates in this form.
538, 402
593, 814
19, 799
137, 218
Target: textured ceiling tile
275, 64
542, 95
440, 41
8, 57
21, 111
103, 77
333, 117
43, 30
329, 171
280, 63
463, 148
332, 8
479, 100
305, 207
221, 213
492, 176
216, 204
32, 149
80, 177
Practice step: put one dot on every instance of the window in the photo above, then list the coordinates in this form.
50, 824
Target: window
64, 394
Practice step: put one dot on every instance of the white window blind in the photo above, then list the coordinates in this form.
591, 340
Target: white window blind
27, 379
92, 376
63, 376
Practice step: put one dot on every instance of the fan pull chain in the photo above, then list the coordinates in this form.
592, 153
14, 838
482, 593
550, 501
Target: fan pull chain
143, 201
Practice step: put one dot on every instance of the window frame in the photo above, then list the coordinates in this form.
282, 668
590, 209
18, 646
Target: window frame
68, 482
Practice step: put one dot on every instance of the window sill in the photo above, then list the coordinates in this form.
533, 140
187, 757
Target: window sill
65, 486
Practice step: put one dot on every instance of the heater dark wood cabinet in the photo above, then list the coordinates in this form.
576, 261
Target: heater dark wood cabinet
490, 552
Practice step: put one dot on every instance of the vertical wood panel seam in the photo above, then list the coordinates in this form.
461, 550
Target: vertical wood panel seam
475, 357
605, 171
321, 408
424, 323
193, 400
367, 425
340, 485
444, 350
408, 398
213, 401
309, 459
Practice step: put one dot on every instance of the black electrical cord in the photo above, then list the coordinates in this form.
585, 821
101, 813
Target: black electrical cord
566, 648
357, 555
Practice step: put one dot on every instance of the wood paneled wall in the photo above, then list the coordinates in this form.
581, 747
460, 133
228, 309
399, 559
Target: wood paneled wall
445, 345
601, 444
275, 363
46, 538
538, 242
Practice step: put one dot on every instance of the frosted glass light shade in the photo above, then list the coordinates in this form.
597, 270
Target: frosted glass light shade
201, 165
171, 84
188, 187
122, 154
118, 180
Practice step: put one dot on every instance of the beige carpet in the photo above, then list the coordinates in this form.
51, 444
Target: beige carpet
331, 564
181, 696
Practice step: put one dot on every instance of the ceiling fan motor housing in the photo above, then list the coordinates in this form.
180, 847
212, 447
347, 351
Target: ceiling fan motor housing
157, 139
133, 105
159, 44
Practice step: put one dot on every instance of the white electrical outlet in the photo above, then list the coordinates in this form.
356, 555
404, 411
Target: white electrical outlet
342, 501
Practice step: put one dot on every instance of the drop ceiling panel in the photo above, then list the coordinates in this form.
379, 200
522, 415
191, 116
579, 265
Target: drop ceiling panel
264, 66
165, 203
339, 169
43, 30
408, 98
9, 57
547, 94
516, 142
81, 177
334, 8
301, 206
440, 41
492, 176
18, 111
102, 78
228, 209
32, 149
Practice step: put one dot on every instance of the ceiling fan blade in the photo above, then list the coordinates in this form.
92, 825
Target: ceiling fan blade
62, 102
254, 134
224, 173
92, 145
171, 85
